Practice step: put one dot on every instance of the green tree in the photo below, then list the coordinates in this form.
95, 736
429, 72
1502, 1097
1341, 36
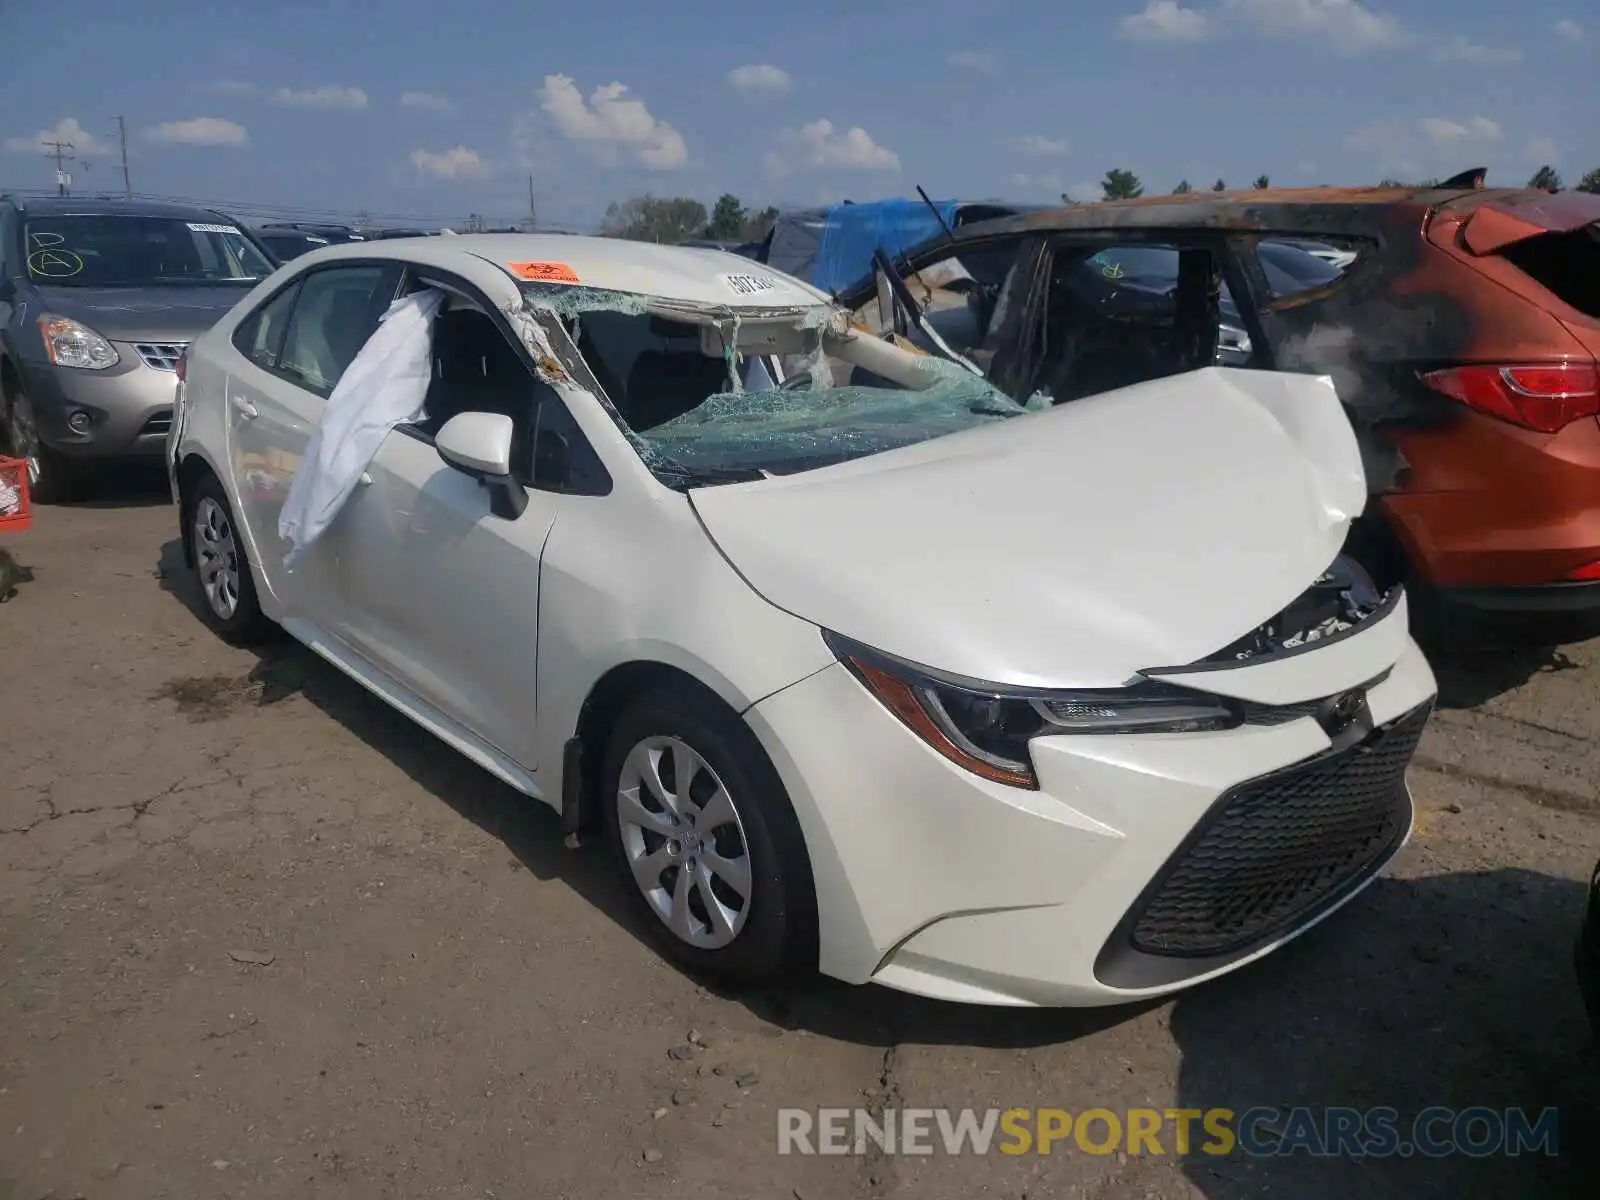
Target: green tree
1183, 188
655, 219
1547, 178
1590, 182
760, 224
1219, 186
1120, 184
1261, 183
1387, 182
728, 219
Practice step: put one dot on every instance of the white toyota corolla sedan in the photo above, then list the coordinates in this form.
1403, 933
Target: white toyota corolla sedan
855, 662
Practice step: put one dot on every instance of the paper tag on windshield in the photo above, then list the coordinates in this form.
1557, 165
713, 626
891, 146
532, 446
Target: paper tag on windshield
213, 228
749, 285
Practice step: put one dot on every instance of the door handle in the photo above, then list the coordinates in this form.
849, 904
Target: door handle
243, 407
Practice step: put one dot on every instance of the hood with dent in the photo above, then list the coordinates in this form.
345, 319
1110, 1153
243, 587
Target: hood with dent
1146, 527
154, 314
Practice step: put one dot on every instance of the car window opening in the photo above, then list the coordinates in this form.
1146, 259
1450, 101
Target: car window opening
668, 381
1565, 264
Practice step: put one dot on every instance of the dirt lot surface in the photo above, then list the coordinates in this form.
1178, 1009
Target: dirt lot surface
259, 937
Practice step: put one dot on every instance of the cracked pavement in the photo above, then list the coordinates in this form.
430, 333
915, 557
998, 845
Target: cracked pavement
261, 937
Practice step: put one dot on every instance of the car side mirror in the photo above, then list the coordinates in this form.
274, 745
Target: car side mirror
479, 444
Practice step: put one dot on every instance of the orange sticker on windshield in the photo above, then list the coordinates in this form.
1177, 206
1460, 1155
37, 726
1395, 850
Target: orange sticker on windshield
544, 272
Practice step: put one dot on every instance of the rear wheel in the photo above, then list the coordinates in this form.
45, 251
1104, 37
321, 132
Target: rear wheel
708, 844
227, 586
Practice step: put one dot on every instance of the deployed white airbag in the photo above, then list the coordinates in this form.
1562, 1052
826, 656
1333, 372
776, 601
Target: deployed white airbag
383, 386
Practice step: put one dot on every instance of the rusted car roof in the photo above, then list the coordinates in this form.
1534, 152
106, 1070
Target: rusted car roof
1307, 211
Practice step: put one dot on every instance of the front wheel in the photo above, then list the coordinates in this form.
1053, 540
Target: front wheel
51, 477
707, 841
228, 590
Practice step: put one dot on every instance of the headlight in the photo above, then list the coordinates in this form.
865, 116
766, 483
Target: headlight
986, 728
70, 344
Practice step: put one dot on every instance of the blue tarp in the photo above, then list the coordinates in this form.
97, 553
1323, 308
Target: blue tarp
854, 231
831, 248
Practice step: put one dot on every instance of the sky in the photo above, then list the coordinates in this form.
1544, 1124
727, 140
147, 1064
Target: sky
427, 111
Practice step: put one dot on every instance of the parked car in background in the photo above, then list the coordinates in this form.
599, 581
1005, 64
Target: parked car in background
835, 672
1332, 255
285, 244
98, 301
1463, 339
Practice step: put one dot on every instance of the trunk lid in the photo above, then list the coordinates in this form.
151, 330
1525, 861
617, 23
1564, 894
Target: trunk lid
1141, 528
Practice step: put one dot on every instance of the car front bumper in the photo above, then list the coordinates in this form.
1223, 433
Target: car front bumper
128, 407
934, 881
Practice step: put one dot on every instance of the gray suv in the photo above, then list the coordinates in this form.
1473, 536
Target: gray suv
99, 299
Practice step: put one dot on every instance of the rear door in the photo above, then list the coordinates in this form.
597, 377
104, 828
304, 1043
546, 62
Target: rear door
294, 348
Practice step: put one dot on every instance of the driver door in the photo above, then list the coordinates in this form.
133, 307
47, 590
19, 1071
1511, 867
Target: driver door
441, 594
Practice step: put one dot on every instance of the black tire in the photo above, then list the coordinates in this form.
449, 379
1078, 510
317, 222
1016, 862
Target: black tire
57, 476
243, 623
778, 939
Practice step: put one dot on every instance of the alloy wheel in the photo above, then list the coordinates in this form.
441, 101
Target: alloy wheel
684, 842
23, 434
217, 556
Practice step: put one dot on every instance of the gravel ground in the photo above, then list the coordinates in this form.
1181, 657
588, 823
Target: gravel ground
260, 937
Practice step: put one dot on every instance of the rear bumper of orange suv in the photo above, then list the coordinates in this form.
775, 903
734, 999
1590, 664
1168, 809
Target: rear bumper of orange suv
1499, 516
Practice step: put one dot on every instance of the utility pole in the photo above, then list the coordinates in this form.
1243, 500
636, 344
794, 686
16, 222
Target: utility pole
122, 137
62, 153
533, 212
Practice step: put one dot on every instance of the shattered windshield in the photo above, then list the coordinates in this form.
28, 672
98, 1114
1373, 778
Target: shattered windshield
726, 395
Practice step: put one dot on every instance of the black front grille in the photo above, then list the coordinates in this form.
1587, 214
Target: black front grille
1276, 850
158, 423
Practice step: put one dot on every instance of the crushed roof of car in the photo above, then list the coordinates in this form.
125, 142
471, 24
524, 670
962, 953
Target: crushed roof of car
684, 273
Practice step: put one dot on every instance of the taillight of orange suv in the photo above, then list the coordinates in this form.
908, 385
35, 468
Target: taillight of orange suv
1546, 397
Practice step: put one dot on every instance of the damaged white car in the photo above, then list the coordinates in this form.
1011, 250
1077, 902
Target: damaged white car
856, 664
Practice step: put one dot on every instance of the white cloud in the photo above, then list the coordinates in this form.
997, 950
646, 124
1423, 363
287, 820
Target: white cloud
1049, 182
611, 119
1387, 137
459, 162
1568, 29
1346, 25
199, 131
1444, 131
1035, 146
329, 95
820, 145
66, 130
1460, 49
1165, 21
428, 101
975, 60
760, 79
1086, 192
1542, 150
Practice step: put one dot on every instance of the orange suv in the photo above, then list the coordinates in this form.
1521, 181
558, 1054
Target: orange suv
1463, 339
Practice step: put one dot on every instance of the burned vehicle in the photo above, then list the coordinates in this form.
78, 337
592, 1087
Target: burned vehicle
827, 665
1462, 338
